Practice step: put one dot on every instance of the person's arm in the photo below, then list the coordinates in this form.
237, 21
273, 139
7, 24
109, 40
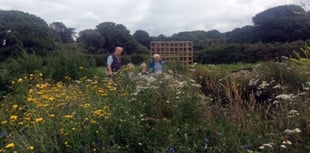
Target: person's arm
109, 63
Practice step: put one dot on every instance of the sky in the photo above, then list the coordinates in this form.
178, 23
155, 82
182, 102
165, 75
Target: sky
153, 16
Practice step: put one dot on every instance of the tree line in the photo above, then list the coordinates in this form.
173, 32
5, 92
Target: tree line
275, 32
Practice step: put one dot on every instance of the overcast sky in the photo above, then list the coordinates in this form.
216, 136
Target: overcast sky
154, 16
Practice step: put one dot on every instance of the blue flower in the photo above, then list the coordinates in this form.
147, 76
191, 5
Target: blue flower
2, 134
171, 149
247, 147
80, 147
206, 140
98, 141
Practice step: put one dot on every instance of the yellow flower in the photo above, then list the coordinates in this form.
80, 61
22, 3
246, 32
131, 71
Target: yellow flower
93, 122
98, 113
31, 76
66, 142
20, 80
4, 122
81, 68
51, 115
40, 119
13, 117
87, 105
68, 116
30, 99
15, 106
30, 148
51, 99
10, 145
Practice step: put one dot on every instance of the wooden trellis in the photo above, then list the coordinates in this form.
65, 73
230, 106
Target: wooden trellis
181, 51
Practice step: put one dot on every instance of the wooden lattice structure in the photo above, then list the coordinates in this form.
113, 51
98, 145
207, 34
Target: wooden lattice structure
173, 51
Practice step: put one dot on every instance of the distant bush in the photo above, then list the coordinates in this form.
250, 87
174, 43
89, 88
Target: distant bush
68, 64
56, 66
24, 63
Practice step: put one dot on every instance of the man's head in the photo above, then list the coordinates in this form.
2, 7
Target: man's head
118, 51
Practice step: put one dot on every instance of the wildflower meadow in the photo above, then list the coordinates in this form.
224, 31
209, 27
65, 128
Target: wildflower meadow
260, 107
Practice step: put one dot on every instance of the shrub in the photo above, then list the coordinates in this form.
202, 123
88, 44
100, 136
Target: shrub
68, 64
23, 64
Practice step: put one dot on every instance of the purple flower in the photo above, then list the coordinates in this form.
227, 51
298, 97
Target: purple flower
80, 147
2, 134
206, 140
171, 149
247, 147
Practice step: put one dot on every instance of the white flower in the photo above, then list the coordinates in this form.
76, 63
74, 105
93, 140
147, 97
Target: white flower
170, 71
191, 80
275, 102
278, 86
293, 131
261, 147
285, 96
294, 113
287, 142
283, 146
306, 88
263, 85
297, 130
265, 145
268, 145
197, 85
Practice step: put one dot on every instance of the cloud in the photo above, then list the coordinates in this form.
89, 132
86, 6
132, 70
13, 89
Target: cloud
154, 16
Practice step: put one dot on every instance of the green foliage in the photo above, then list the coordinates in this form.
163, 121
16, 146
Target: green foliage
92, 41
138, 58
247, 53
271, 14
284, 73
106, 37
176, 66
201, 39
142, 37
156, 113
70, 64
23, 31
25, 63
66, 34
285, 23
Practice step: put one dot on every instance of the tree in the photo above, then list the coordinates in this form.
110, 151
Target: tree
22, 31
66, 34
142, 37
282, 23
114, 34
92, 40
117, 35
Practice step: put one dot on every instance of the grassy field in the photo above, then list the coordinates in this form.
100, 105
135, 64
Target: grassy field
207, 108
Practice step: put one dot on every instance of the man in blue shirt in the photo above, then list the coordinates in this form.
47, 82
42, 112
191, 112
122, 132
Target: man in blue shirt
114, 61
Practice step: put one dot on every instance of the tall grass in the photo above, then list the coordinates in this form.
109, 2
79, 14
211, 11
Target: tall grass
57, 66
206, 109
